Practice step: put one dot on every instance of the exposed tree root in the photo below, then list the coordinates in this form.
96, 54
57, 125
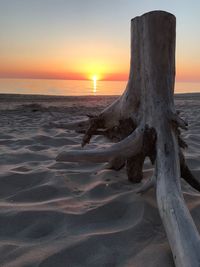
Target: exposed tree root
148, 100
134, 164
127, 147
147, 185
186, 173
95, 122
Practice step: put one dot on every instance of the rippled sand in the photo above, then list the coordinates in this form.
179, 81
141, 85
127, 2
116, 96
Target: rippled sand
70, 214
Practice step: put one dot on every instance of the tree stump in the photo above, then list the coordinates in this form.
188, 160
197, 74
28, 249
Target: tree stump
153, 131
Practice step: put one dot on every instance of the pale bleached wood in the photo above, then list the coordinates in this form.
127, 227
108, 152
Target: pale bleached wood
146, 186
148, 100
180, 228
127, 147
157, 50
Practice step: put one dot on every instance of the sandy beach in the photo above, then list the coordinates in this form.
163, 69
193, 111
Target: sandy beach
78, 214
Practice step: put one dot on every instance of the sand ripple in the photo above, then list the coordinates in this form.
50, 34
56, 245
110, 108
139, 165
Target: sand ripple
73, 215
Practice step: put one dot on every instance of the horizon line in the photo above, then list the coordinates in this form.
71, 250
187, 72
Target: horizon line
85, 79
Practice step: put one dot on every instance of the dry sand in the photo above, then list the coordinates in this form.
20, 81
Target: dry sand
70, 214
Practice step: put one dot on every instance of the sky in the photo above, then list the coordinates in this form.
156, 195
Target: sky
77, 39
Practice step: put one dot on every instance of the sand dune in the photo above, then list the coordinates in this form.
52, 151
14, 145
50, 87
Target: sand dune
69, 214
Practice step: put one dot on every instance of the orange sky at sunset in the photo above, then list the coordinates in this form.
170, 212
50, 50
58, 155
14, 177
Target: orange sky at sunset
71, 40
103, 60
105, 69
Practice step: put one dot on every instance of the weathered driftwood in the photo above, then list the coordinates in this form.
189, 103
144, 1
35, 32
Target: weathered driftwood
148, 103
127, 147
146, 186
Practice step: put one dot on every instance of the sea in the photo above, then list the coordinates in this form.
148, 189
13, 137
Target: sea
77, 87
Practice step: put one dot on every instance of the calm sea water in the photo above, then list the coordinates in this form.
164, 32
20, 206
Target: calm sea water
76, 88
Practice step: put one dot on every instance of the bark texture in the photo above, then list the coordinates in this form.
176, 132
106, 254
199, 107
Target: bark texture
146, 124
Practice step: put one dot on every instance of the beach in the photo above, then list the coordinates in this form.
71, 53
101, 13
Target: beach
67, 214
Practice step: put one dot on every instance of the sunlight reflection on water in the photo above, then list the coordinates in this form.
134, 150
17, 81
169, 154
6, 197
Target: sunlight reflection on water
73, 87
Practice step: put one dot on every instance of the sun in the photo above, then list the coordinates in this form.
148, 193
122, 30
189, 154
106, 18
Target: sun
94, 78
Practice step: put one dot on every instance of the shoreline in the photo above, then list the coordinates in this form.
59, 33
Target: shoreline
82, 96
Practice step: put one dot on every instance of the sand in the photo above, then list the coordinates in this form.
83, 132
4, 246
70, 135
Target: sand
70, 214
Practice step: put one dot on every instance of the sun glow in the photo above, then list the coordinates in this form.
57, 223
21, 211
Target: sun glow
94, 78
